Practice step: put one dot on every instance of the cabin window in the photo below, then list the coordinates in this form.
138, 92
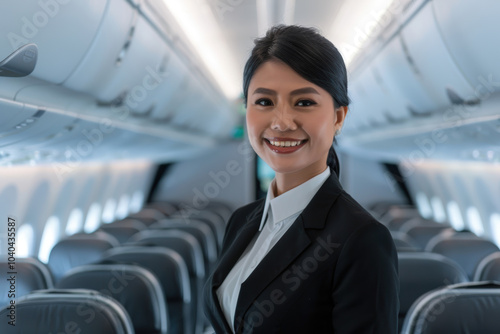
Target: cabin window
50, 236
495, 227
423, 205
123, 207
137, 201
109, 211
75, 221
25, 240
93, 219
455, 216
438, 210
474, 220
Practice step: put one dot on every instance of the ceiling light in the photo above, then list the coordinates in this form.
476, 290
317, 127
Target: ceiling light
200, 25
358, 21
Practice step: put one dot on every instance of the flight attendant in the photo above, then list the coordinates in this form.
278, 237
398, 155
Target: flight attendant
308, 258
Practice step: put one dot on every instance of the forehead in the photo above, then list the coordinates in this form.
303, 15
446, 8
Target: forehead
278, 76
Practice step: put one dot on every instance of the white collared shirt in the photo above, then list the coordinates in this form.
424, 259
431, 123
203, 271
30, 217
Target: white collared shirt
279, 214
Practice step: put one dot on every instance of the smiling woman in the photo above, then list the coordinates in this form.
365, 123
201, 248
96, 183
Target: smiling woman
308, 259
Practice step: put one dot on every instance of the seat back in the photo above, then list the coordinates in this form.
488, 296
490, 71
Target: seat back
403, 242
200, 230
489, 268
466, 250
77, 250
172, 273
215, 221
189, 249
164, 207
421, 231
420, 273
66, 311
462, 308
147, 215
122, 230
30, 274
136, 288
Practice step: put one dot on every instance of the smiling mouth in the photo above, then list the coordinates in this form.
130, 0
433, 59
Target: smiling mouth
284, 146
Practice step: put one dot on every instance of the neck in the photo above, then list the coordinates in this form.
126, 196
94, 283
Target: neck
287, 181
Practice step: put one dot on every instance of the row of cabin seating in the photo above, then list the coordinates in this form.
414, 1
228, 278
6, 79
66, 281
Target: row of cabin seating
153, 263
446, 269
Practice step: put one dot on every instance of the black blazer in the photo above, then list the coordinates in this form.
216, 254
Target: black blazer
334, 271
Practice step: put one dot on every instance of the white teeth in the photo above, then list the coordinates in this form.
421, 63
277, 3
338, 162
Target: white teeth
285, 143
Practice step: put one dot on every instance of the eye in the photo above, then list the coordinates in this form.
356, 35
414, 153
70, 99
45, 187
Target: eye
305, 103
264, 102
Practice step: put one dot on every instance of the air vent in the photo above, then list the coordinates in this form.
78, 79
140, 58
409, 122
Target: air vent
416, 113
26, 124
458, 100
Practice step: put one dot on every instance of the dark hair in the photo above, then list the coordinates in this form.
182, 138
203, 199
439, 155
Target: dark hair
309, 54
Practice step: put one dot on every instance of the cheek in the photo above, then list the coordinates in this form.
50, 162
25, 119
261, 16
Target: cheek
254, 125
322, 129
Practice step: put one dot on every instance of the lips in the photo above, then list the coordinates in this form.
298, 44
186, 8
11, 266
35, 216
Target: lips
284, 145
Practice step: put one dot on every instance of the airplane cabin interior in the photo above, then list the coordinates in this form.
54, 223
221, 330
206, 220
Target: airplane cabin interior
123, 153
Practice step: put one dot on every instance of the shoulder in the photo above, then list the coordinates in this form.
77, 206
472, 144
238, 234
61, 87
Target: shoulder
365, 237
355, 218
357, 230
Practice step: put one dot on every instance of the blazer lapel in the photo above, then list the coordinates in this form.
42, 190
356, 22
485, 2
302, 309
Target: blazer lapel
274, 263
289, 247
232, 255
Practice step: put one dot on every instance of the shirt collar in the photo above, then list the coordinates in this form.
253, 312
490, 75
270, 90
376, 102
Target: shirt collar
292, 201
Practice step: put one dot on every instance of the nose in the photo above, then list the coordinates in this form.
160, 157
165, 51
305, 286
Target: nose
283, 120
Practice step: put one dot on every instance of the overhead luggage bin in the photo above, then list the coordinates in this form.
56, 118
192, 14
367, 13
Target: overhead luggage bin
406, 95
432, 63
171, 88
109, 55
369, 91
56, 28
470, 31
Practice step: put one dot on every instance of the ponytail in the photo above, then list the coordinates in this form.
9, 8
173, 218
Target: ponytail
333, 161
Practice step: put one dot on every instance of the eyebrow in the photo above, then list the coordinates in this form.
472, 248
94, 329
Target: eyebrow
305, 90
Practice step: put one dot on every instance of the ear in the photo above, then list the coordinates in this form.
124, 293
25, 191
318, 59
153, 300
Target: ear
340, 114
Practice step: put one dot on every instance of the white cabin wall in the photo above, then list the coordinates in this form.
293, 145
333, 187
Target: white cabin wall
464, 194
367, 181
224, 174
38, 195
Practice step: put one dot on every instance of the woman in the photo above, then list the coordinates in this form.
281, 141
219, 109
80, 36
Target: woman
308, 259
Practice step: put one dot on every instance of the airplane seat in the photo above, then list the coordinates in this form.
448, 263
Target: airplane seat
166, 208
464, 249
200, 230
381, 208
190, 250
31, 274
172, 273
67, 311
423, 231
489, 268
133, 286
124, 229
222, 209
78, 249
461, 308
403, 242
147, 215
215, 221
397, 216
422, 272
